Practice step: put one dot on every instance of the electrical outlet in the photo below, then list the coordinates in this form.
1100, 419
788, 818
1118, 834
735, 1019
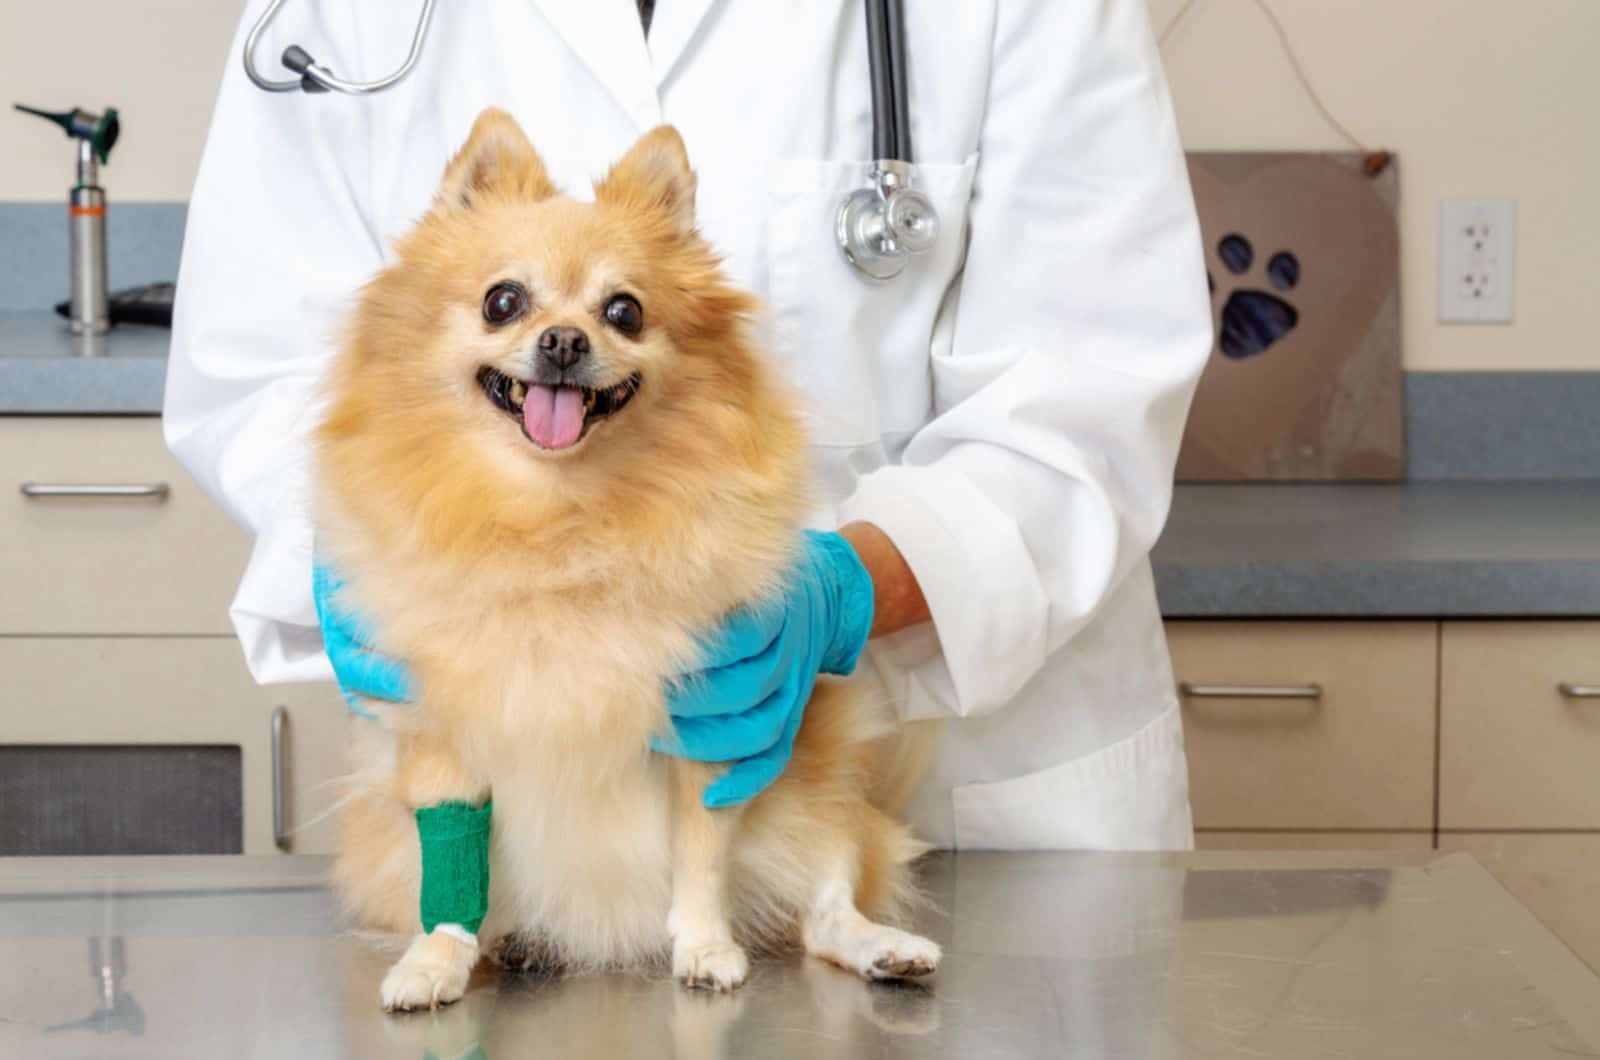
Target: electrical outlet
1477, 260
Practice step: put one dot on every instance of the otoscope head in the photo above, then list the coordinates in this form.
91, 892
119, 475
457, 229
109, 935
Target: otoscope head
99, 130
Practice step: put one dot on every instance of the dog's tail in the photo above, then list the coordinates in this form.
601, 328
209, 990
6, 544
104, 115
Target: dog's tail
907, 753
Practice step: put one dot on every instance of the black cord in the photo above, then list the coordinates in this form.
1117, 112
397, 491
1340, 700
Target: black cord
1289, 53
885, 138
896, 18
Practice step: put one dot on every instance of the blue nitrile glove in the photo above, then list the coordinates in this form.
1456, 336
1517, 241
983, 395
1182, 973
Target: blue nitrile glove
362, 673
745, 704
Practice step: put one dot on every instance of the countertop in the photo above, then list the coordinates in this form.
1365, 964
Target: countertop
1441, 549
1150, 956
1419, 549
47, 370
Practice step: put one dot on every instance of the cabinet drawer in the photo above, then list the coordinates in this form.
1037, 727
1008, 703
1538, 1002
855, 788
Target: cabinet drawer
1556, 876
159, 562
1308, 725
1515, 753
119, 692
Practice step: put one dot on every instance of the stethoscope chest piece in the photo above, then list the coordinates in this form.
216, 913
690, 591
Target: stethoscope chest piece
880, 227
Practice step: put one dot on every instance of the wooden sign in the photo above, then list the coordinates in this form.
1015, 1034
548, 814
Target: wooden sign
1304, 381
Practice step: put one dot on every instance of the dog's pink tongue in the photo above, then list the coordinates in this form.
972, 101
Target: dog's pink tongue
553, 415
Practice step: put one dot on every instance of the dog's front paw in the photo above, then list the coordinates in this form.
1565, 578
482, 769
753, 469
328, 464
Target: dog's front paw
876, 951
433, 972
718, 966
890, 953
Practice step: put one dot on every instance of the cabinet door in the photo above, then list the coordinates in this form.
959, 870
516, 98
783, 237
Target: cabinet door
1308, 725
1556, 876
1519, 740
314, 737
102, 532
171, 744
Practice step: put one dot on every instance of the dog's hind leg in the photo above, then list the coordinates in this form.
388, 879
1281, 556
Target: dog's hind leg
704, 954
835, 929
434, 970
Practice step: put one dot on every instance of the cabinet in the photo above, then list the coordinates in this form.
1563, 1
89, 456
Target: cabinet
1519, 742
1512, 706
137, 694
1519, 765
101, 531
128, 719
1309, 726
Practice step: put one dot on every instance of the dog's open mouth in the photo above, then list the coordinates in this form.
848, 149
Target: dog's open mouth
555, 417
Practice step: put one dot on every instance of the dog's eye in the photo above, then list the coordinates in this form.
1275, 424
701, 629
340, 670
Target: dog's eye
504, 303
624, 313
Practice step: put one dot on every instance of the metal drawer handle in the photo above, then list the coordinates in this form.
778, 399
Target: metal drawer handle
280, 823
1312, 691
1572, 691
60, 489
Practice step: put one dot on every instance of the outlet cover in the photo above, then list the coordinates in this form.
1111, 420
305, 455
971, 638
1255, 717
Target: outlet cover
1477, 260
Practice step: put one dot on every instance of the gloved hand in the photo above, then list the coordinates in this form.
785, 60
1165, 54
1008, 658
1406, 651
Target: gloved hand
362, 673
745, 703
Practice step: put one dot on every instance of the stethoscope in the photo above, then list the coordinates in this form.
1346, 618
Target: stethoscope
878, 227
314, 77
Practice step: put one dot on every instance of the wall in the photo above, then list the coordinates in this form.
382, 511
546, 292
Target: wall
1478, 97
157, 61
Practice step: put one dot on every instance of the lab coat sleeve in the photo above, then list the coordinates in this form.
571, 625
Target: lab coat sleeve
277, 243
1080, 326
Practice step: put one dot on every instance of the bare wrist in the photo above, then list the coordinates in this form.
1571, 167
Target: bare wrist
897, 597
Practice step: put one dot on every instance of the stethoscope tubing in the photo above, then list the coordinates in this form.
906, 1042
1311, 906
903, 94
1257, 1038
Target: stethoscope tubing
318, 76
877, 227
898, 75
886, 60
886, 67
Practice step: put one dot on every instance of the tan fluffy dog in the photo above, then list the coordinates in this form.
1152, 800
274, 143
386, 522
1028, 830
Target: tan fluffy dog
544, 557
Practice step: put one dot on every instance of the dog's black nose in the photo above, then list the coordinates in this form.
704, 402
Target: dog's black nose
563, 347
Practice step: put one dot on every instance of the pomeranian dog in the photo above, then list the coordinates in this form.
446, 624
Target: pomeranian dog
553, 459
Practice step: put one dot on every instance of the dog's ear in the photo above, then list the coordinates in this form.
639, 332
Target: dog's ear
497, 156
654, 173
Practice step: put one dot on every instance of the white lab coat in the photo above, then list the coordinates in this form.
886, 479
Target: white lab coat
1008, 409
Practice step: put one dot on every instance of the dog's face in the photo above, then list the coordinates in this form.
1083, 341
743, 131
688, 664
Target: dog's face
552, 401
548, 331
565, 317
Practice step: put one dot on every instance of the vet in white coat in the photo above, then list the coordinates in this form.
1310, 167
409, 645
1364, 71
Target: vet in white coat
1008, 409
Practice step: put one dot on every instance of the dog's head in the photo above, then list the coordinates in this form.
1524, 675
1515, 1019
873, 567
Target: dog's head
561, 342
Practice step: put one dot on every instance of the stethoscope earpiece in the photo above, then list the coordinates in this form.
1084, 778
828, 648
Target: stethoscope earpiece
313, 76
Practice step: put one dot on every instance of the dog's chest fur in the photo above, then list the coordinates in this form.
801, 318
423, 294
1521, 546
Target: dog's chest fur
585, 867
571, 691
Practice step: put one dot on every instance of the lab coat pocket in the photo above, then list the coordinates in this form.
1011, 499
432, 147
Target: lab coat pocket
1133, 795
859, 349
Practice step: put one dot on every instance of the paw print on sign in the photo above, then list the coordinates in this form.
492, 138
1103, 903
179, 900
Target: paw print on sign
1253, 319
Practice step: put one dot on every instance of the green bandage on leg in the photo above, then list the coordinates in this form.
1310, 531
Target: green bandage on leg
455, 864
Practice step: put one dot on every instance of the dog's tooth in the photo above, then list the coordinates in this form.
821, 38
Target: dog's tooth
519, 392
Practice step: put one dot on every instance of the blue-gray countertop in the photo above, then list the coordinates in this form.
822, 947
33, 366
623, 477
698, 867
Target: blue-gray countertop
1462, 548
47, 370
1473, 549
